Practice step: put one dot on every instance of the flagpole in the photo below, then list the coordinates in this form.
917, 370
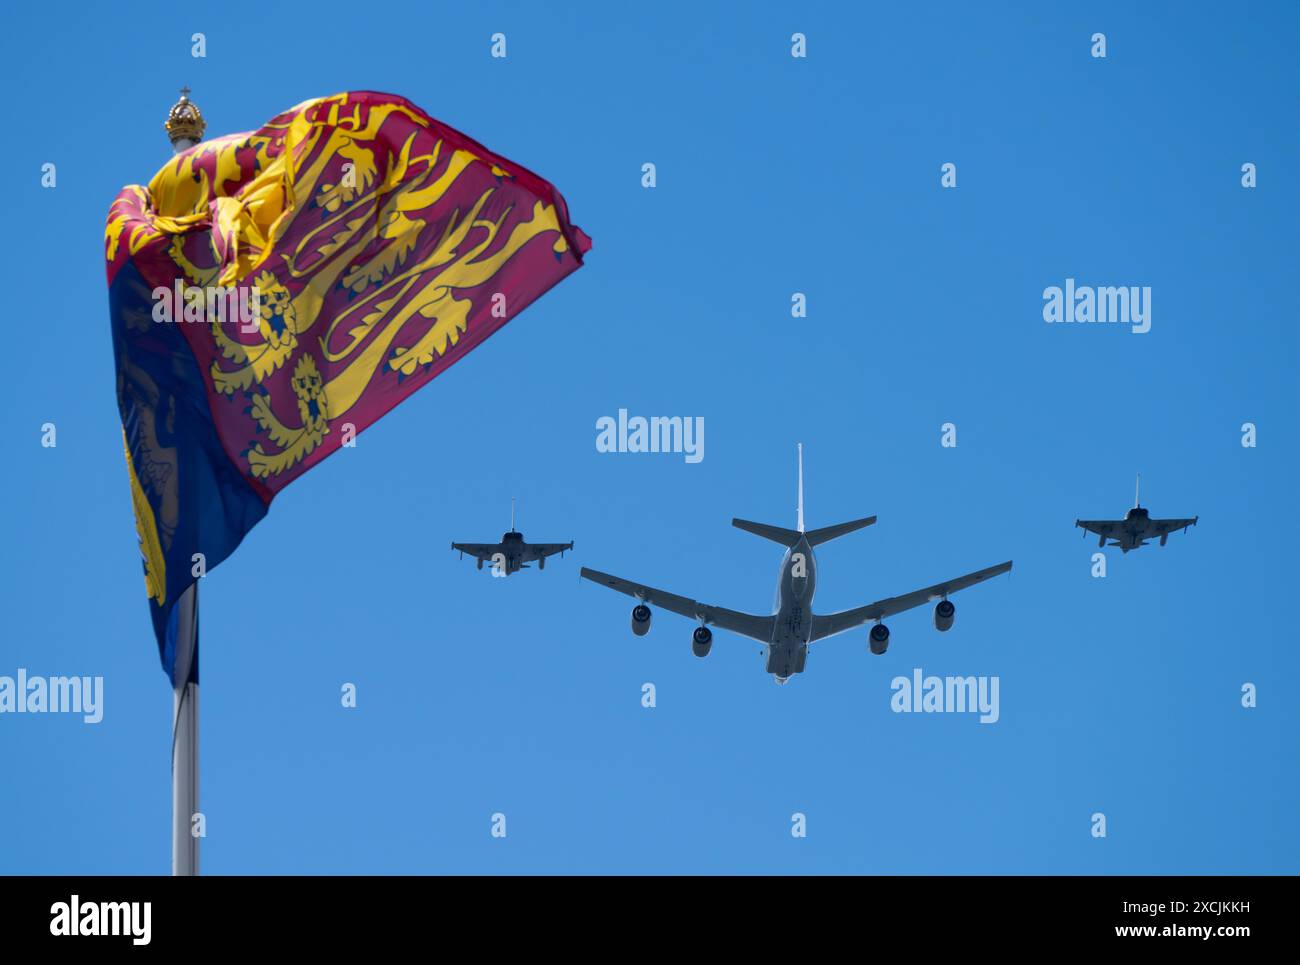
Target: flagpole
185, 736
185, 127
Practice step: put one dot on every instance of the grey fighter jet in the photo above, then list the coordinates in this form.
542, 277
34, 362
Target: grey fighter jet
787, 633
512, 554
1135, 528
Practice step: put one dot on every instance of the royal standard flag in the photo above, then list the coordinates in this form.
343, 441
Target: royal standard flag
274, 293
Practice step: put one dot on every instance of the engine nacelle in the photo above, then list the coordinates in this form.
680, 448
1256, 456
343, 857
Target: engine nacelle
944, 614
480, 563
541, 563
640, 619
1164, 538
879, 638
701, 641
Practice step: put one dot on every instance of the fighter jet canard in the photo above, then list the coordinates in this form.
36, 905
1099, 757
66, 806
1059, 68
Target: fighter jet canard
512, 554
787, 633
1135, 528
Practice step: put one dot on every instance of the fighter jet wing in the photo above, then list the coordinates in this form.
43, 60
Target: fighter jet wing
1102, 527
1159, 527
828, 626
746, 624
482, 551
537, 551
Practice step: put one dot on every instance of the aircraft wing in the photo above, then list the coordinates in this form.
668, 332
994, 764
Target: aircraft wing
828, 626
1159, 527
1102, 527
746, 624
482, 551
537, 551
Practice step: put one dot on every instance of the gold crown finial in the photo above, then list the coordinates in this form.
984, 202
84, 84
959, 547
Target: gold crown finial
185, 121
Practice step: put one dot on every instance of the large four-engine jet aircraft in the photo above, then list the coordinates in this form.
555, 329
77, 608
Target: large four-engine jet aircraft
1136, 527
787, 633
512, 554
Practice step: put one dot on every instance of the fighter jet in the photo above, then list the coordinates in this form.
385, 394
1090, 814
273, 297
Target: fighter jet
1136, 527
512, 554
787, 633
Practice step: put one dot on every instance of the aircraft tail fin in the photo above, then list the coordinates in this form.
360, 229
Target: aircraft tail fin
789, 537
777, 534
827, 533
800, 525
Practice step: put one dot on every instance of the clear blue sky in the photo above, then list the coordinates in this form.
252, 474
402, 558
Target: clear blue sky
775, 175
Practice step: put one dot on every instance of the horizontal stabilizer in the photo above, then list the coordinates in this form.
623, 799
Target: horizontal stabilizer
786, 537
827, 533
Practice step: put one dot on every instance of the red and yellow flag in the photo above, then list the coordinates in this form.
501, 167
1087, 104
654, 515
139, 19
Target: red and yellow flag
359, 247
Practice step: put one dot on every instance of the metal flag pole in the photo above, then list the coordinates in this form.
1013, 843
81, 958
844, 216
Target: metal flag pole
185, 735
185, 127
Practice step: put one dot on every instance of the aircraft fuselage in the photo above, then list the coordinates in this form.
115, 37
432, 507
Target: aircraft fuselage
512, 547
787, 651
1137, 529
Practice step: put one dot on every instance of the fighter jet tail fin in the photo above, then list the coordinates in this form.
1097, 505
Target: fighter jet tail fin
777, 534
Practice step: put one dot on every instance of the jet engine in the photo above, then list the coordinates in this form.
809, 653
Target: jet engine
879, 638
944, 613
1164, 538
640, 619
541, 563
701, 641
480, 563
